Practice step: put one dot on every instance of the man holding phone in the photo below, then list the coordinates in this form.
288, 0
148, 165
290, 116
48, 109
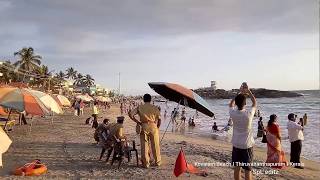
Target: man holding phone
242, 138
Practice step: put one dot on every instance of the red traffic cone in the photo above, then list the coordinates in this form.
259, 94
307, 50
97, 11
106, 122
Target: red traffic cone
181, 164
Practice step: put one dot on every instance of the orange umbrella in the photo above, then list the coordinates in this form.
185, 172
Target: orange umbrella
21, 100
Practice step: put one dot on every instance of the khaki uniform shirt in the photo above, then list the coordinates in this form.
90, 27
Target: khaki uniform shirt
147, 112
116, 130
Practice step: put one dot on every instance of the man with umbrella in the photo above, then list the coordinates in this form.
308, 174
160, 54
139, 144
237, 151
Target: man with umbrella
150, 122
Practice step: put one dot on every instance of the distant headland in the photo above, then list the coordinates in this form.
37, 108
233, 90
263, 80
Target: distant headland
213, 93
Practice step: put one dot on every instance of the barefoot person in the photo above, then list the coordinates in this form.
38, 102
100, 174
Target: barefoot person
242, 138
296, 138
95, 113
150, 122
274, 153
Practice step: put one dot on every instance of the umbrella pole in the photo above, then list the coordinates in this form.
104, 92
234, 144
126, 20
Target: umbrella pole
5, 125
170, 122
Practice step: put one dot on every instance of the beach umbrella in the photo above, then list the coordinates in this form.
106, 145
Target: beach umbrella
3, 112
21, 100
182, 95
47, 100
5, 144
103, 99
85, 98
62, 100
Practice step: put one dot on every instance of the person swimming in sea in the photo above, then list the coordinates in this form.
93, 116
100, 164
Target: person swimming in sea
215, 127
191, 122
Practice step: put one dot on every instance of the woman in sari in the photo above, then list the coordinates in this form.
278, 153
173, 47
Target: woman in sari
275, 153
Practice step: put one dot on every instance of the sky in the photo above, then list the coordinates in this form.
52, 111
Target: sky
267, 43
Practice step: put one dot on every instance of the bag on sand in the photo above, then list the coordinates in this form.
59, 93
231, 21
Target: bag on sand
88, 120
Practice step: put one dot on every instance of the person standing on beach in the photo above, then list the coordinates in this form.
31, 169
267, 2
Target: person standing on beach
81, 104
296, 138
77, 108
150, 122
274, 152
260, 128
305, 119
95, 113
242, 138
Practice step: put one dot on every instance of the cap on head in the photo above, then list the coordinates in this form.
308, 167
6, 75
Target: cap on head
120, 119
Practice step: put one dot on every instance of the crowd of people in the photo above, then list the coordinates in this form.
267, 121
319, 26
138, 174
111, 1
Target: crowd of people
241, 118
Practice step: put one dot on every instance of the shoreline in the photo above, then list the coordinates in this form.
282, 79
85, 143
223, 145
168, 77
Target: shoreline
209, 137
68, 149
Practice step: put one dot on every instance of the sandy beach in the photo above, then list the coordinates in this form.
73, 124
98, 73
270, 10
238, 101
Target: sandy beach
68, 149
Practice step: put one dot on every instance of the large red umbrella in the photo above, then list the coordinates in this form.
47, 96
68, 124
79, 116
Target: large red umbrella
182, 95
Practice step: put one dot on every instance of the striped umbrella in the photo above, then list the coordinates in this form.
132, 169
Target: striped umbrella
47, 100
85, 98
62, 100
5, 144
103, 99
22, 100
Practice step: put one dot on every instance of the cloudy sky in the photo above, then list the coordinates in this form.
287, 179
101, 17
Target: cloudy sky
268, 43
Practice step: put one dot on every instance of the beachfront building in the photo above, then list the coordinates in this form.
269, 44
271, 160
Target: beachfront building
96, 89
212, 87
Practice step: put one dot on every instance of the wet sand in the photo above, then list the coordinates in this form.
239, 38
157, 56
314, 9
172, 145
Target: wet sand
68, 149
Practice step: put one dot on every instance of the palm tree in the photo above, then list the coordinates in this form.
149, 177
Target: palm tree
7, 72
59, 79
88, 80
44, 75
79, 80
71, 73
60, 76
28, 60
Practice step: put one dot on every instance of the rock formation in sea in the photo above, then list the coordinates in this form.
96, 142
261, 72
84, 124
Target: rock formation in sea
259, 93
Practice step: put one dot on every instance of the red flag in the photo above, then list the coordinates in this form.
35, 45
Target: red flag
181, 165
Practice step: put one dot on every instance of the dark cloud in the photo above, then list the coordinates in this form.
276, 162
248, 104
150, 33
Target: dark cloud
77, 32
71, 18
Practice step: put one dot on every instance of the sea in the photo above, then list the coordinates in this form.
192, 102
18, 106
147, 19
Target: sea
309, 103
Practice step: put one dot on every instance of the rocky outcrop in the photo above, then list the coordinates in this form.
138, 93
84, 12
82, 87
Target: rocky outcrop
259, 93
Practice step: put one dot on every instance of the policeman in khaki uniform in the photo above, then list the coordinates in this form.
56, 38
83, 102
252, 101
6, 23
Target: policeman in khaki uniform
150, 122
116, 129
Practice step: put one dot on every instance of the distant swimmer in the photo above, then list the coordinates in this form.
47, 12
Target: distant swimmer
215, 127
191, 122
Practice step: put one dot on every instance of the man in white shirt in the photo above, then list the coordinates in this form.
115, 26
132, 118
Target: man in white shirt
295, 137
242, 138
